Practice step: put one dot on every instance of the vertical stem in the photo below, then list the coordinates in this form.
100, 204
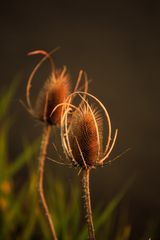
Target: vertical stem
87, 203
42, 156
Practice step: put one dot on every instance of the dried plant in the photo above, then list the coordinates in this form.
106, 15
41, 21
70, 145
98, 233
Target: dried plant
54, 92
81, 134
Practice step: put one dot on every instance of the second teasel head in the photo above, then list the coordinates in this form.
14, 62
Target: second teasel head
85, 135
82, 131
54, 91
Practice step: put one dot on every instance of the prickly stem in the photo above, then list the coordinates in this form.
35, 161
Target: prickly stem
42, 157
87, 203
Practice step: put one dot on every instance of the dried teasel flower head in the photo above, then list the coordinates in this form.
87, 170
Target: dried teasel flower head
54, 92
81, 132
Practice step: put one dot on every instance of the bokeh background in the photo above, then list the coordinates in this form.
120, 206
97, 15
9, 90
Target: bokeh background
118, 44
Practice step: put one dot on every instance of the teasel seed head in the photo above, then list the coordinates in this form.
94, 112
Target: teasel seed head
82, 130
83, 135
55, 90
53, 93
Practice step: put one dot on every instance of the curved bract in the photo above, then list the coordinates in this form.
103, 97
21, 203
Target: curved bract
82, 130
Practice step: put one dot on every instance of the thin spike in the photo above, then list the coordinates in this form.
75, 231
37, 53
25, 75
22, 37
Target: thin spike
78, 80
60, 163
109, 151
109, 162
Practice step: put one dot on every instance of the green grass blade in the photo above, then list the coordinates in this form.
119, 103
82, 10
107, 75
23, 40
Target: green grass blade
7, 96
4, 144
32, 198
112, 205
74, 212
43, 225
13, 215
24, 157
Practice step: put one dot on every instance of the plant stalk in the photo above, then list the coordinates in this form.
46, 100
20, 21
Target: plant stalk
42, 157
87, 203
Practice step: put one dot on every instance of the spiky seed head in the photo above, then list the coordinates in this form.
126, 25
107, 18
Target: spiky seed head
83, 136
82, 130
54, 92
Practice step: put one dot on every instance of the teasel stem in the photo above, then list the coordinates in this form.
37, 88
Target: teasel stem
87, 203
42, 157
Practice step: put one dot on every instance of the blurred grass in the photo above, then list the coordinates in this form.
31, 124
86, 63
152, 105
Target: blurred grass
21, 215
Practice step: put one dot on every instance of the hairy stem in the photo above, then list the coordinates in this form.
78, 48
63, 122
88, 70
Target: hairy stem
87, 203
42, 156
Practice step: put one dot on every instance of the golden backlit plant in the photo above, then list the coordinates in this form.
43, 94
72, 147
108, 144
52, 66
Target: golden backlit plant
54, 93
83, 142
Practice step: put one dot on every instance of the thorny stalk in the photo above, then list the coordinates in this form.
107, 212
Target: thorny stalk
87, 203
82, 142
42, 157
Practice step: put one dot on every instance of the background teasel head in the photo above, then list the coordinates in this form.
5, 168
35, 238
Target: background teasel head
82, 131
53, 93
55, 90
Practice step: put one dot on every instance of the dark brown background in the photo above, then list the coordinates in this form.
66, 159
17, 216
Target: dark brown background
118, 44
